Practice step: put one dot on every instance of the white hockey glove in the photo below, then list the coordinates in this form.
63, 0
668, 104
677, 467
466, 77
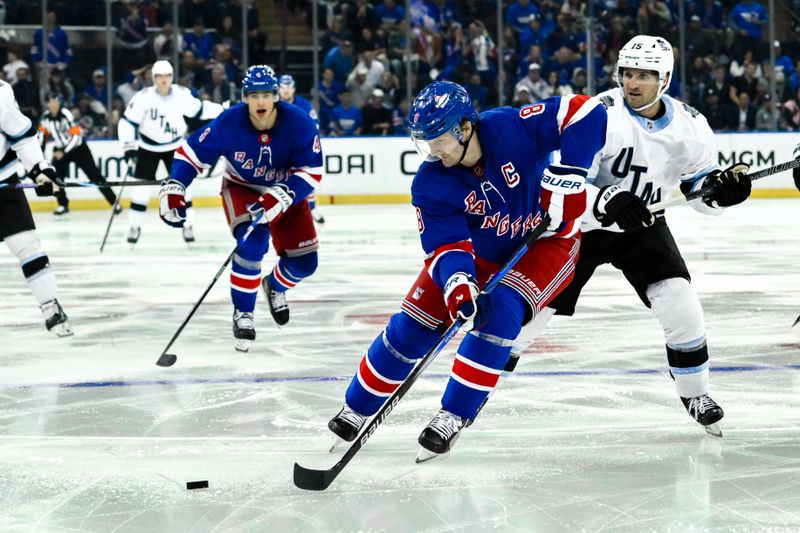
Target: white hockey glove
172, 203
273, 203
47, 181
461, 298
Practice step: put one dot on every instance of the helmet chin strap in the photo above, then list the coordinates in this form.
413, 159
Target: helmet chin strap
465, 145
657, 98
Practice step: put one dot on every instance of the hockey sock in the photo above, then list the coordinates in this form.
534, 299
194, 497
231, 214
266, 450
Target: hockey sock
483, 354
388, 361
245, 280
35, 265
312, 201
689, 367
291, 270
140, 196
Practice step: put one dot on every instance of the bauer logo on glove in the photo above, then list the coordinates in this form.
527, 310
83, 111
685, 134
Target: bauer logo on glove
172, 203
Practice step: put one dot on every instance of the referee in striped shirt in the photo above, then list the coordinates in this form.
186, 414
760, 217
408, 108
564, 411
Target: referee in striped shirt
58, 126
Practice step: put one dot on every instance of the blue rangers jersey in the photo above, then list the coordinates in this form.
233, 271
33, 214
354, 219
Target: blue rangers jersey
289, 153
486, 210
306, 106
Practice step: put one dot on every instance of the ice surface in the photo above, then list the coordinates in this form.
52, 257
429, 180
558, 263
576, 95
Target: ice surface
587, 435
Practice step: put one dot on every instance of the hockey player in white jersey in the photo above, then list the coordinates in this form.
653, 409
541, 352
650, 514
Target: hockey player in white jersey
654, 144
18, 144
158, 114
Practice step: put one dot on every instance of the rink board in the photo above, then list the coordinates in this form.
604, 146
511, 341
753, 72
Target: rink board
380, 170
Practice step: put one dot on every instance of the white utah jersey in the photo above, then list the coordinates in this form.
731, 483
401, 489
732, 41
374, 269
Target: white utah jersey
652, 157
160, 120
17, 134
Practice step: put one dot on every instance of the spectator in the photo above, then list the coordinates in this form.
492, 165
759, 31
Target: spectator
390, 86
578, 82
699, 42
553, 83
712, 16
531, 34
199, 42
745, 113
534, 56
328, 97
718, 116
563, 36
360, 90
791, 111
377, 119
229, 35
256, 39
361, 15
58, 49
482, 52
443, 13
765, 116
91, 116
533, 83
340, 60
746, 20
345, 119
374, 68
783, 63
13, 62
201, 10
27, 94
97, 89
218, 89
137, 80
56, 84
748, 83
520, 13
477, 92
399, 115
132, 34
369, 41
223, 57
335, 35
390, 15
563, 64
655, 18
722, 86
166, 42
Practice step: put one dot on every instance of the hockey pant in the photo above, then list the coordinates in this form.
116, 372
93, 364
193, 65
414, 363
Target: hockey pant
83, 159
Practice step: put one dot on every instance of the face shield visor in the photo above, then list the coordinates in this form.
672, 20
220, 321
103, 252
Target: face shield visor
437, 148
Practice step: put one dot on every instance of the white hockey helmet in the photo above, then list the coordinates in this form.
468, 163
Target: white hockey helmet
646, 52
161, 68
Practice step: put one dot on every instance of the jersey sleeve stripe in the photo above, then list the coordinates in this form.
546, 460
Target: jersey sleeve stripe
185, 153
460, 246
132, 123
565, 170
575, 108
308, 175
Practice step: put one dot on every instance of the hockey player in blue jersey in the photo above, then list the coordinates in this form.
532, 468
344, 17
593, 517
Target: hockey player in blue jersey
286, 92
273, 161
486, 182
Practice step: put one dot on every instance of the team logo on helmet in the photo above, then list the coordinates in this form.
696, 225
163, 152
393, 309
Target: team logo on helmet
441, 99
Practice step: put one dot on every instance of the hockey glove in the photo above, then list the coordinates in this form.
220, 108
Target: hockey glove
131, 157
615, 204
274, 202
172, 203
47, 181
731, 186
460, 295
796, 171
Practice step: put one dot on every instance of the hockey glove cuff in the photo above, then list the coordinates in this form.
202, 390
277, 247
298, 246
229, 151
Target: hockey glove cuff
172, 203
274, 202
47, 181
460, 295
615, 204
731, 186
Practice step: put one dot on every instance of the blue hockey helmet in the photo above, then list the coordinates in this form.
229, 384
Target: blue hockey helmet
259, 78
286, 81
439, 108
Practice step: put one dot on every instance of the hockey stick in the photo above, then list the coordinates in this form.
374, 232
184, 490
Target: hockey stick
311, 479
128, 174
69, 185
168, 359
705, 191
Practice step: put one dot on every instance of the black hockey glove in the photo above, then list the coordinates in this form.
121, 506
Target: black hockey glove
47, 181
731, 186
796, 171
131, 157
615, 204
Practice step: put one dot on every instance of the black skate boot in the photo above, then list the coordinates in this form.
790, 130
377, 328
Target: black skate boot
440, 435
244, 330
188, 233
346, 425
706, 412
278, 306
55, 319
133, 234
318, 218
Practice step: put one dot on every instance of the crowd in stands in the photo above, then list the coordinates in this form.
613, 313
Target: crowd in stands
362, 88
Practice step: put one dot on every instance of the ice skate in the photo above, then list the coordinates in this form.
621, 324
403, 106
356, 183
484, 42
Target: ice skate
133, 234
61, 210
56, 319
278, 306
188, 233
440, 435
345, 426
244, 330
318, 218
706, 412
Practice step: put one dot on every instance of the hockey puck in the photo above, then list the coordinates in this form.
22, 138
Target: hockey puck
191, 485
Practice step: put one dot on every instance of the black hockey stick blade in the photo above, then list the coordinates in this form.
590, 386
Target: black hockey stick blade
167, 359
312, 479
796, 321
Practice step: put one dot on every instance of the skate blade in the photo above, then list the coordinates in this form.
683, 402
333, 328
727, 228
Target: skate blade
62, 330
424, 455
243, 345
714, 429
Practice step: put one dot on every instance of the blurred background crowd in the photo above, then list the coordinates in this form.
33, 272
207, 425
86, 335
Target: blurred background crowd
359, 61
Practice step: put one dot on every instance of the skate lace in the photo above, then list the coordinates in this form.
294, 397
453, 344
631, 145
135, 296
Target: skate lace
701, 404
278, 300
351, 417
244, 320
446, 424
50, 309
